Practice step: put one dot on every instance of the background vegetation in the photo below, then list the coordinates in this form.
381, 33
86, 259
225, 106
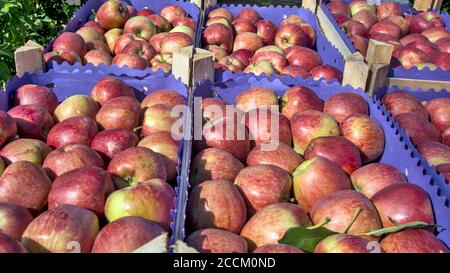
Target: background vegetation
41, 20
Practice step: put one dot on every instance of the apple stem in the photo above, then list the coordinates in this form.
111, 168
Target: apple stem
321, 224
137, 129
358, 211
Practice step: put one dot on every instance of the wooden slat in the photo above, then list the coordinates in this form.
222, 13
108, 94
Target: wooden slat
310, 5
379, 52
437, 4
414, 84
181, 66
423, 4
356, 71
378, 74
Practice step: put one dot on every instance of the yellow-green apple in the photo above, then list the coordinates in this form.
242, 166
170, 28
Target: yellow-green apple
298, 99
86, 187
442, 60
108, 143
220, 35
111, 37
97, 45
289, 35
25, 149
403, 203
184, 29
221, 12
249, 14
283, 156
273, 48
162, 61
295, 71
247, 40
36, 95
361, 43
59, 57
8, 127
125, 235
95, 25
267, 30
434, 152
219, 20
119, 112
270, 224
130, 60
327, 72
256, 97
276, 59
242, 25
110, 87
341, 207
310, 124
70, 41
66, 228
25, 184
112, 14
343, 243
385, 10
166, 147
366, 134
158, 118
89, 35
214, 164
152, 200
315, 178
337, 149
76, 130
444, 169
9, 244
140, 48
267, 126
443, 44
262, 185
71, 157
15, 219
358, 5
98, 57
160, 23
354, 27
277, 248
259, 68
76, 106
171, 12
413, 241
374, 177
244, 55
365, 17
418, 129
216, 204
399, 102
303, 56
232, 63
156, 39
338, 7
344, 104
136, 165
212, 240
32, 121
185, 21
174, 41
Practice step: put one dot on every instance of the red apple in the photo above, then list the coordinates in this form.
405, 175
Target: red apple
268, 127
343, 243
374, 177
160, 23
184, 29
25, 184
32, 121
429, 48
9, 244
263, 185
442, 59
158, 118
276, 59
212, 108
156, 40
152, 200
260, 68
434, 152
283, 156
36, 95
69, 41
242, 25
341, 207
76, 106
108, 143
62, 56
111, 36
119, 112
338, 7
221, 12
166, 147
443, 44
344, 104
295, 71
277, 248
145, 11
112, 14
98, 57
71, 157
110, 87
303, 56
171, 12
353, 27
365, 17
418, 24
435, 33
359, 5
270, 48
385, 10
184, 21
249, 14
256, 97
56, 230
213, 240
8, 127
418, 129
86, 187
290, 35
167, 97
311, 124
89, 35
446, 137
270, 224
130, 60
219, 20
24, 149
76, 130
162, 62
433, 18
244, 55
402, 203
266, 30
97, 45
413, 241
386, 27
298, 99
327, 72
444, 169
316, 178
400, 21
140, 48
361, 43
15, 219
218, 52
247, 40
341, 18
439, 113
216, 204
412, 38
125, 235
174, 41
95, 25
232, 63
310, 34
398, 102
122, 41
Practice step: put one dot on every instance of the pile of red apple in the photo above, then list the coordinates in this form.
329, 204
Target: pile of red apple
122, 36
419, 40
246, 197
77, 175
252, 44
427, 124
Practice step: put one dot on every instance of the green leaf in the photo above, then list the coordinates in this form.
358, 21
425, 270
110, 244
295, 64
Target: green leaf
305, 238
397, 228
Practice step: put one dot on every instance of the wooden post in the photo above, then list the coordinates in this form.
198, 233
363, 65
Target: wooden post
414, 84
378, 58
311, 5
356, 71
437, 4
29, 58
378, 74
422, 5
181, 66
203, 66
199, 3
209, 3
